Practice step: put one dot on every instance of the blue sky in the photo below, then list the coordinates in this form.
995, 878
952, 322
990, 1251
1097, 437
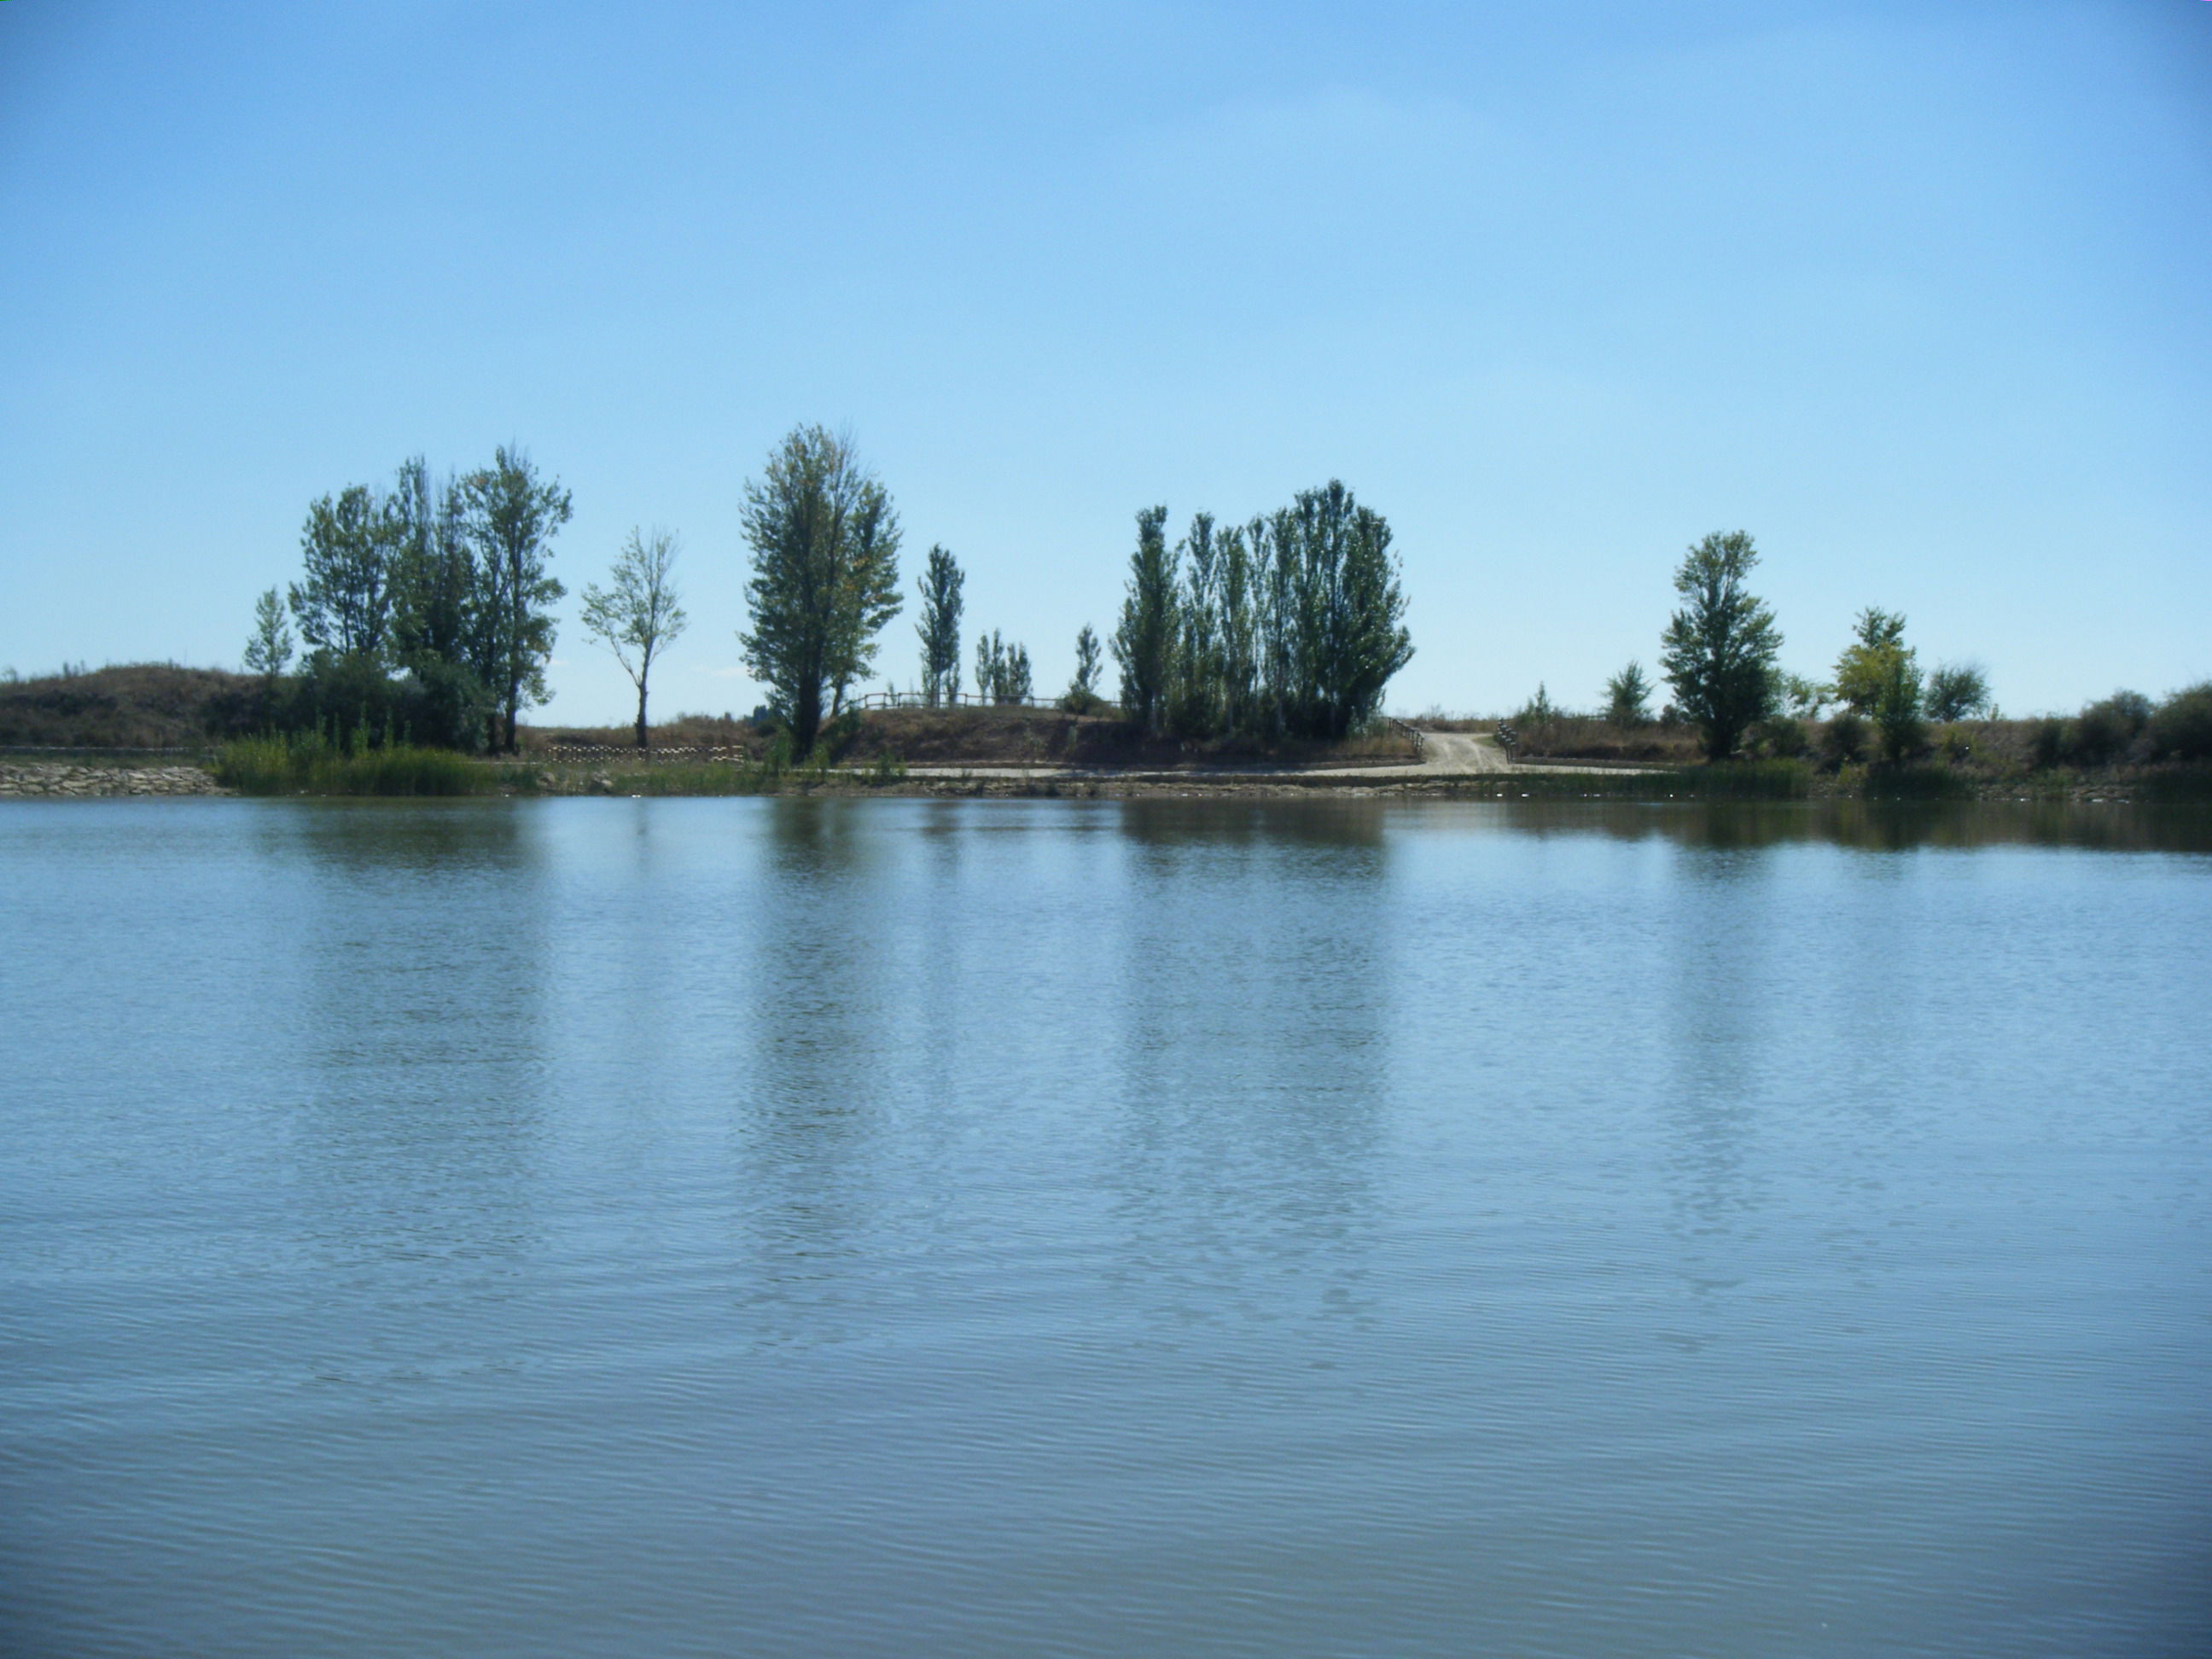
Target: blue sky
1916, 293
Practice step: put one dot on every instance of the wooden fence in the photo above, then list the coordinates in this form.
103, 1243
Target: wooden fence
966, 699
624, 754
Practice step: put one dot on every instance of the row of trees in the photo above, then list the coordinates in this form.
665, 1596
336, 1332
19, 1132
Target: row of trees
427, 609
1289, 625
1721, 655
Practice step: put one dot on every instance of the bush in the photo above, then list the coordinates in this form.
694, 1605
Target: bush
1957, 690
2104, 732
2047, 743
1782, 736
1843, 739
444, 706
2181, 727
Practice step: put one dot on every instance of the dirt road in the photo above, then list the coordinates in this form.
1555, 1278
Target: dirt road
1460, 752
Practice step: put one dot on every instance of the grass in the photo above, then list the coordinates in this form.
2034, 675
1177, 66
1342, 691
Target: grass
307, 764
695, 778
1739, 781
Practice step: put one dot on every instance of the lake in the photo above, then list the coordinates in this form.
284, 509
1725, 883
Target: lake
1164, 1226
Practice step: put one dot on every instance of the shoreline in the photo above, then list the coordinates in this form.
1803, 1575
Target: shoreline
79, 780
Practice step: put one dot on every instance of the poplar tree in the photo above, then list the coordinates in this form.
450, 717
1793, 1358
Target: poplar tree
270, 651
1145, 642
511, 517
344, 602
1083, 690
824, 576
1628, 696
941, 581
435, 598
1720, 646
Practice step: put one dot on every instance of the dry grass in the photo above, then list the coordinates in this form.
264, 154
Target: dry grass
149, 705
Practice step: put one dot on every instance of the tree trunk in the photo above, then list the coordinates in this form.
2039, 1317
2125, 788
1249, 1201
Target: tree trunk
805, 721
643, 741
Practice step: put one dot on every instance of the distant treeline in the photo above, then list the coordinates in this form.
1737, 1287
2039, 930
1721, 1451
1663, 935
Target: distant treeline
1288, 626
1721, 656
426, 610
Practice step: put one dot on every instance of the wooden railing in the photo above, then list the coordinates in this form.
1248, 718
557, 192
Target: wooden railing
1420, 743
630, 754
961, 699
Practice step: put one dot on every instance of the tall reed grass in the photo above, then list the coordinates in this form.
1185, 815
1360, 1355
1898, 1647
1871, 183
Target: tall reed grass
309, 763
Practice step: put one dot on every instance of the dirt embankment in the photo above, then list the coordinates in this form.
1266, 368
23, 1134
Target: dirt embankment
997, 736
134, 706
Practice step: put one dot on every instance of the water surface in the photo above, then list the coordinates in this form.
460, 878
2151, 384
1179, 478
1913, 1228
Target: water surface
812, 1227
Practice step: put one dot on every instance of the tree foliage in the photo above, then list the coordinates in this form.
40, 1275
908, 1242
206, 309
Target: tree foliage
269, 653
941, 581
1720, 646
1628, 696
1002, 670
1958, 691
640, 614
1290, 625
1145, 642
1864, 668
824, 576
343, 602
2180, 728
1083, 690
510, 516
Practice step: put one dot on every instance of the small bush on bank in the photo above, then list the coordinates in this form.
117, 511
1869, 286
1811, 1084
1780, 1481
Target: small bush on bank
1844, 740
2181, 727
1781, 738
2104, 732
2046, 743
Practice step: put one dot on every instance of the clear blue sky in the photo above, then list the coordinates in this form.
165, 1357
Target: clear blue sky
1915, 293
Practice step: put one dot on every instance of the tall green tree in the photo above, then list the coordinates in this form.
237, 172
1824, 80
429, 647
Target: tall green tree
270, 651
1237, 591
436, 596
1194, 708
1145, 642
1002, 669
344, 604
640, 614
1862, 670
1346, 618
1083, 690
1628, 697
940, 628
511, 516
824, 576
1958, 691
1897, 703
1722, 643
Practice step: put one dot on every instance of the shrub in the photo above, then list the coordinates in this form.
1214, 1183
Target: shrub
2181, 728
2047, 743
1782, 736
2104, 732
1843, 739
1957, 690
